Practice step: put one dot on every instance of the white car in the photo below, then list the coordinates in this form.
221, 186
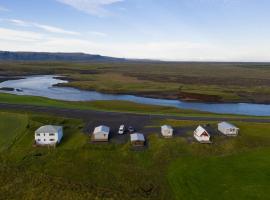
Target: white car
121, 130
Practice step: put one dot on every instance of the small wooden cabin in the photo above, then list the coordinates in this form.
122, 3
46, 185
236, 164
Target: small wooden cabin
228, 129
202, 135
166, 131
137, 139
101, 134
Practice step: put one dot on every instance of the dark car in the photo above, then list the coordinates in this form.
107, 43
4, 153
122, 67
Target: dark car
131, 129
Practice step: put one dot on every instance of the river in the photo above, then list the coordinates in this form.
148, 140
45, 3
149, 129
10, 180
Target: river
43, 86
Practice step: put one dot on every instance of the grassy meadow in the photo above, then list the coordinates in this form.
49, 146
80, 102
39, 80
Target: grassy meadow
229, 82
230, 168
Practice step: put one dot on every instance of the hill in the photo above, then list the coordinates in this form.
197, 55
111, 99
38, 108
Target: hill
46, 56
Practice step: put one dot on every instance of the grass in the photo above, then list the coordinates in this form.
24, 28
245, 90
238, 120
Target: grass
230, 82
240, 176
109, 106
75, 169
10, 127
231, 168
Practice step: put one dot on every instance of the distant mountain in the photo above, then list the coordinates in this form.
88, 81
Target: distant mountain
44, 56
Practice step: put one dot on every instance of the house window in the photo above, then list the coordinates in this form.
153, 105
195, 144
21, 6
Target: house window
51, 134
38, 140
52, 140
37, 134
44, 140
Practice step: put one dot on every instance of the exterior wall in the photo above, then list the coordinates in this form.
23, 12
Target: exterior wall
60, 135
100, 137
46, 138
167, 132
202, 138
228, 131
137, 143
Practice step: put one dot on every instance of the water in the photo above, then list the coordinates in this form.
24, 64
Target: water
44, 86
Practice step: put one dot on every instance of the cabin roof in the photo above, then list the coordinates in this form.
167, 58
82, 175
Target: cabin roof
137, 137
201, 130
48, 129
166, 127
227, 125
102, 129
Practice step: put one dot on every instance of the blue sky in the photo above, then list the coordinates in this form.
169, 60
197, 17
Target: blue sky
215, 30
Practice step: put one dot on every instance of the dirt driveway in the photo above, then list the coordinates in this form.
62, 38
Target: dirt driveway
141, 122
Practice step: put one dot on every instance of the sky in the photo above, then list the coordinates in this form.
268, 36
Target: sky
179, 30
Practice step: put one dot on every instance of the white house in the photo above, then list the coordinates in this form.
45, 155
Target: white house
48, 135
101, 133
167, 131
228, 129
137, 139
201, 135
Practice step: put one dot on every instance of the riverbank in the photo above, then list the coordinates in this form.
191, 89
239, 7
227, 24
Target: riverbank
17, 101
190, 82
239, 96
44, 86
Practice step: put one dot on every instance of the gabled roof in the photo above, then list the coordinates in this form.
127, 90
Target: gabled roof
137, 137
102, 129
48, 129
166, 127
227, 125
201, 131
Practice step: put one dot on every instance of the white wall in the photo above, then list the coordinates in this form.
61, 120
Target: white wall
167, 132
202, 138
228, 131
101, 136
49, 138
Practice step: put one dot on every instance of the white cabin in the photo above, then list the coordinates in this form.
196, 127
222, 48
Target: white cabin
101, 133
202, 135
228, 129
48, 135
166, 131
137, 139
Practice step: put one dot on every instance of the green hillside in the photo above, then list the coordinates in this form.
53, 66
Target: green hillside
230, 168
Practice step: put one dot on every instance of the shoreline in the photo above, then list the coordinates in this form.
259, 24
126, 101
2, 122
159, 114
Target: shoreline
181, 96
167, 96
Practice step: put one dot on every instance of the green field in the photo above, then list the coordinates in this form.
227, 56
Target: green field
110, 106
229, 82
230, 168
8, 133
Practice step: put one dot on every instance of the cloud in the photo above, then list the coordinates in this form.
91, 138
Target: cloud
96, 33
19, 22
19, 36
93, 7
15, 40
3, 9
54, 29
51, 29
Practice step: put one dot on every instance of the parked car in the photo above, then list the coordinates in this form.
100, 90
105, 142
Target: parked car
121, 129
131, 129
